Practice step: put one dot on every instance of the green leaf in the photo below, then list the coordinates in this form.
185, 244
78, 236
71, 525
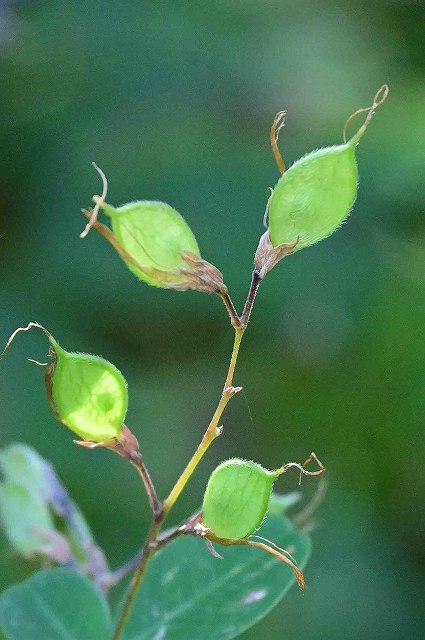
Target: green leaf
55, 605
189, 594
22, 465
23, 515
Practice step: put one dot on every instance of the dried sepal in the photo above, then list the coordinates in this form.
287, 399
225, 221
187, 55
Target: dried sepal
213, 551
126, 445
267, 256
201, 275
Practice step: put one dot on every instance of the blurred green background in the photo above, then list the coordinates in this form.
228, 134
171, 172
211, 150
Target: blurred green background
174, 101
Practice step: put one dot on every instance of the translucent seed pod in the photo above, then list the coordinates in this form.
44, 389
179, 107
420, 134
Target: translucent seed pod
88, 394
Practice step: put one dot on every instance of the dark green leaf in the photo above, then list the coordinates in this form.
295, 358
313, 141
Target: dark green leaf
189, 594
55, 605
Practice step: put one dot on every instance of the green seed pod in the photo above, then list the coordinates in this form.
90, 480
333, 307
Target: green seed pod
87, 394
156, 244
316, 194
155, 235
314, 197
237, 497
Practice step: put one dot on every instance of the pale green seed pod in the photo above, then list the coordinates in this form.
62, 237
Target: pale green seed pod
155, 235
88, 394
155, 243
236, 498
316, 194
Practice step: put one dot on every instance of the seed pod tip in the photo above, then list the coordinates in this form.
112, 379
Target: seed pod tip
99, 202
379, 98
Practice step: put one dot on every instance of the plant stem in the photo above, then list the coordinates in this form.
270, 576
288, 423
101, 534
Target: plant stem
147, 481
153, 542
213, 430
255, 283
234, 318
148, 550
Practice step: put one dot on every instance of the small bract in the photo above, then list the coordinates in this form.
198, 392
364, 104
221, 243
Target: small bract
155, 235
237, 497
88, 394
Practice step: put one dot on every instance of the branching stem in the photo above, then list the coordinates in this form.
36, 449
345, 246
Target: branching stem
213, 429
146, 555
153, 541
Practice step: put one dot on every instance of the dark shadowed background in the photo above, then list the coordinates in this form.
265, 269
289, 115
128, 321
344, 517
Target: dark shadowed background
174, 101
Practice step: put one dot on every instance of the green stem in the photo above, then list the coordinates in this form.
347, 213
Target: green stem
213, 430
147, 553
152, 543
150, 546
